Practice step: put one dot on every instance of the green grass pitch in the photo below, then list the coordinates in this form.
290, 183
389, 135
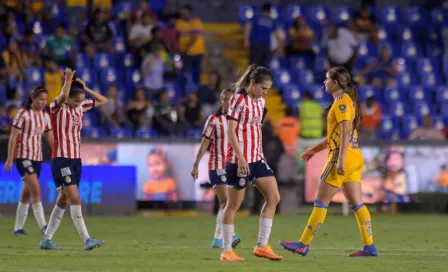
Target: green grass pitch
405, 242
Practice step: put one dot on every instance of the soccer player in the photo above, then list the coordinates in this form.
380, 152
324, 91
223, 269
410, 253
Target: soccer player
66, 113
215, 137
344, 165
245, 160
25, 148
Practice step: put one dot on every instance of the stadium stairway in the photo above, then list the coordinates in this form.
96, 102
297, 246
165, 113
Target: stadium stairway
226, 54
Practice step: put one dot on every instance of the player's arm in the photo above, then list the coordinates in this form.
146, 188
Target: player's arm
345, 139
49, 136
321, 146
99, 98
207, 134
62, 97
233, 139
11, 147
202, 150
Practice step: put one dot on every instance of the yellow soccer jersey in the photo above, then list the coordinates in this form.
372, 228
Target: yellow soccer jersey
343, 109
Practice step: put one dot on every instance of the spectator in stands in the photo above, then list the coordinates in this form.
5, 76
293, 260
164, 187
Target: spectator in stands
442, 179
142, 8
152, 70
30, 48
137, 109
60, 47
11, 112
113, 110
169, 33
15, 61
310, 116
157, 39
76, 11
105, 5
364, 25
191, 42
98, 33
53, 79
381, 72
340, 47
140, 32
190, 113
288, 131
12, 31
372, 113
4, 120
165, 116
427, 132
300, 39
4, 70
209, 93
257, 36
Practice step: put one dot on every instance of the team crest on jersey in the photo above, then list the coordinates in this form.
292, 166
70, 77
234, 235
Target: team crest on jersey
30, 169
68, 179
342, 107
26, 163
242, 182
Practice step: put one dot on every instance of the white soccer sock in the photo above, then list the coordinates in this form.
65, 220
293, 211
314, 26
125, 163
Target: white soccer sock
218, 231
22, 213
264, 231
53, 224
227, 236
38, 211
78, 220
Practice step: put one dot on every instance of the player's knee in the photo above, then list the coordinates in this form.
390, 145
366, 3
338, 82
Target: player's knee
232, 207
222, 204
62, 203
273, 199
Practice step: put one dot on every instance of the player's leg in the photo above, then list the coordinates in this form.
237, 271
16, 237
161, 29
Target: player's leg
22, 210
221, 194
267, 186
353, 193
32, 183
55, 220
328, 186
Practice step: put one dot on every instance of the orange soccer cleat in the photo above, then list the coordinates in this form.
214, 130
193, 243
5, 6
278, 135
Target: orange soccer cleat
230, 256
266, 252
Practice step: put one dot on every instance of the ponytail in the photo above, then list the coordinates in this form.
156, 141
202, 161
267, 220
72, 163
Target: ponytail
353, 93
244, 80
253, 72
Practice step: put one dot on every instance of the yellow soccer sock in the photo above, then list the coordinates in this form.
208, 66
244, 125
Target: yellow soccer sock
364, 223
316, 219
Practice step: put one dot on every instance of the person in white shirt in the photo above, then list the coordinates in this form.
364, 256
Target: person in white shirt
140, 33
340, 47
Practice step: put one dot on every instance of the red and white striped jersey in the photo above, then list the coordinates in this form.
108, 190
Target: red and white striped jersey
32, 125
249, 114
216, 131
67, 124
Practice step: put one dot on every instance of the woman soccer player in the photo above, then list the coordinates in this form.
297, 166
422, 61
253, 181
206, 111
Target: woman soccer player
215, 136
245, 160
66, 113
344, 165
25, 147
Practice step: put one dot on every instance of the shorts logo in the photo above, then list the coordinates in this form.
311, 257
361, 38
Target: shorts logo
68, 179
223, 178
66, 172
27, 163
30, 169
221, 172
342, 107
242, 182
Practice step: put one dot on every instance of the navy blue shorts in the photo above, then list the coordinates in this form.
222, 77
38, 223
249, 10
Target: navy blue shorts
66, 172
259, 169
28, 167
217, 177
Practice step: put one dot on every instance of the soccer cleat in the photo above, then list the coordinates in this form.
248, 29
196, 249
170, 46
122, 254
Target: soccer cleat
48, 245
295, 247
230, 256
43, 230
92, 243
217, 243
236, 241
266, 252
367, 251
20, 232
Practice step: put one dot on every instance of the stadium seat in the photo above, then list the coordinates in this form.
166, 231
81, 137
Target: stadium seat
275, 12
416, 17
102, 61
408, 125
403, 65
398, 109
411, 50
277, 63
87, 120
119, 44
34, 76
417, 94
390, 16
291, 12
342, 15
245, 14
116, 28
318, 15
437, 18
430, 81
82, 61
87, 75
300, 63
146, 133
282, 78
405, 80
442, 95
93, 132
123, 7
109, 76
3, 93
120, 133
387, 127
432, 35
194, 133
444, 110
367, 90
393, 95
421, 109
133, 79
292, 95
303, 77
366, 50
384, 34
434, 50
320, 95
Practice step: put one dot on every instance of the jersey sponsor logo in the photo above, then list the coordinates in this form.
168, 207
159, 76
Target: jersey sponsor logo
66, 171
342, 108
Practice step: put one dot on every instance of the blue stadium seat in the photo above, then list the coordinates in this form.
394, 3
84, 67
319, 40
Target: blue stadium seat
3, 93
390, 16
103, 61
398, 109
282, 78
417, 95
407, 34
300, 63
387, 127
146, 133
438, 122
88, 76
320, 65
320, 95
82, 61
275, 12
34, 76
277, 63
367, 90
133, 79
93, 132
429, 81
303, 77
109, 76
122, 7
318, 15
411, 50
403, 65
406, 80
119, 44
434, 50
87, 120
245, 13
342, 15
432, 35
366, 50
291, 95
416, 17
426, 66
442, 95
421, 109
408, 124
116, 28
384, 34
393, 95
438, 18
291, 12
120, 133
444, 110
194, 133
